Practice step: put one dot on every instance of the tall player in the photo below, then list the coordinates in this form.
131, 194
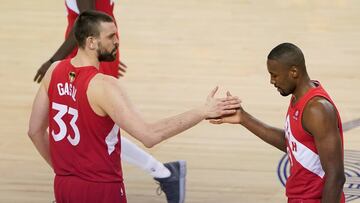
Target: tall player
313, 136
84, 108
171, 176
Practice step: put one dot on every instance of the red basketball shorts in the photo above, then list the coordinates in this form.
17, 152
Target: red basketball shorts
71, 189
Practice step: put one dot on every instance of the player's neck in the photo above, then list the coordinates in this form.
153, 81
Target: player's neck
84, 58
303, 86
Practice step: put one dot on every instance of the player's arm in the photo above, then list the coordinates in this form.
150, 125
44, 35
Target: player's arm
64, 50
111, 97
269, 134
84, 5
70, 43
320, 120
66, 47
39, 119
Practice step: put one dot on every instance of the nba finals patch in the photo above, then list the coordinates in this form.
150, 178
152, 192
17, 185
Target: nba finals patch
72, 76
351, 167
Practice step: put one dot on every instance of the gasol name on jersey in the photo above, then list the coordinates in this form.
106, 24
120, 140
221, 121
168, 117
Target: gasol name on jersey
66, 89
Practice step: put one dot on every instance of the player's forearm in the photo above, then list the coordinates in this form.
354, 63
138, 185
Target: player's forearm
271, 135
41, 142
171, 126
85, 5
66, 48
333, 188
70, 43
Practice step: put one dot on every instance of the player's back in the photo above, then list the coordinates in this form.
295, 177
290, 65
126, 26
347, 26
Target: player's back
82, 143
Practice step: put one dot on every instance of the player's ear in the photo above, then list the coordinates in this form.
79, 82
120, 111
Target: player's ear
294, 71
91, 42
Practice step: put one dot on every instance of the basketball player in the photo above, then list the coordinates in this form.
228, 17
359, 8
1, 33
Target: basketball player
313, 136
131, 153
68, 48
84, 108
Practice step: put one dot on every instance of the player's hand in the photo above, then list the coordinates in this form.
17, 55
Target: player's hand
122, 69
41, 71
218, 107
233, 118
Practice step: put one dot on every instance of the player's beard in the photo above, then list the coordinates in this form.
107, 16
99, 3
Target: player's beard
104, 55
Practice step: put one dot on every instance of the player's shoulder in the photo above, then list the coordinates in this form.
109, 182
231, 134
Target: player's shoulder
319, 102
319, 106
48, 74
319, 114
104, 83
104, 80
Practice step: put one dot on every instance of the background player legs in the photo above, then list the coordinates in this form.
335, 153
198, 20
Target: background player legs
136, 156
170, 176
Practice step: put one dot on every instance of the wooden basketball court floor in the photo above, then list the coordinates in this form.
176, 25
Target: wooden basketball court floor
177, 51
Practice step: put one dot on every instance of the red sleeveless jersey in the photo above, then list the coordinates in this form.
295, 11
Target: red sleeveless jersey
82, 143
106, 6
307, 178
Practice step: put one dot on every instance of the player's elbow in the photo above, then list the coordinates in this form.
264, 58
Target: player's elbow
342, 179
149, 136
338, 178
31, 133
150, 140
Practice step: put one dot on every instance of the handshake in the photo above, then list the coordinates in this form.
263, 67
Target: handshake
222, 110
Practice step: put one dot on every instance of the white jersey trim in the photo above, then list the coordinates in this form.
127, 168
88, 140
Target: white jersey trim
112, 139
305, 156
72, 5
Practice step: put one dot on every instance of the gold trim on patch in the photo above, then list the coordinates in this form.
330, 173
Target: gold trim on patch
72, 76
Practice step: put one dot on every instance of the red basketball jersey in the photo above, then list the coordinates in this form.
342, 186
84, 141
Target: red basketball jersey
82, 143
306, 180
106, 6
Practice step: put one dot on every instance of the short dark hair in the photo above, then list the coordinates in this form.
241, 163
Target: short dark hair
87, 24
288, 54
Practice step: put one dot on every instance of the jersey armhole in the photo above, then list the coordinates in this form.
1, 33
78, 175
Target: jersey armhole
50, 86
87, 82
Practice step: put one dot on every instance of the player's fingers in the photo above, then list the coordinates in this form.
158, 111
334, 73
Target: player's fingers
40, 78
36, 76
213, 92
122, 64
232, 101
212, 118
232, 106
228, 111
122, 69
228, 94
230, 98
215, 121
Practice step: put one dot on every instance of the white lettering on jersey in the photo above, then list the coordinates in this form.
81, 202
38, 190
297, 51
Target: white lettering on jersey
305, 156
112, 138
62, 110
67, 89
